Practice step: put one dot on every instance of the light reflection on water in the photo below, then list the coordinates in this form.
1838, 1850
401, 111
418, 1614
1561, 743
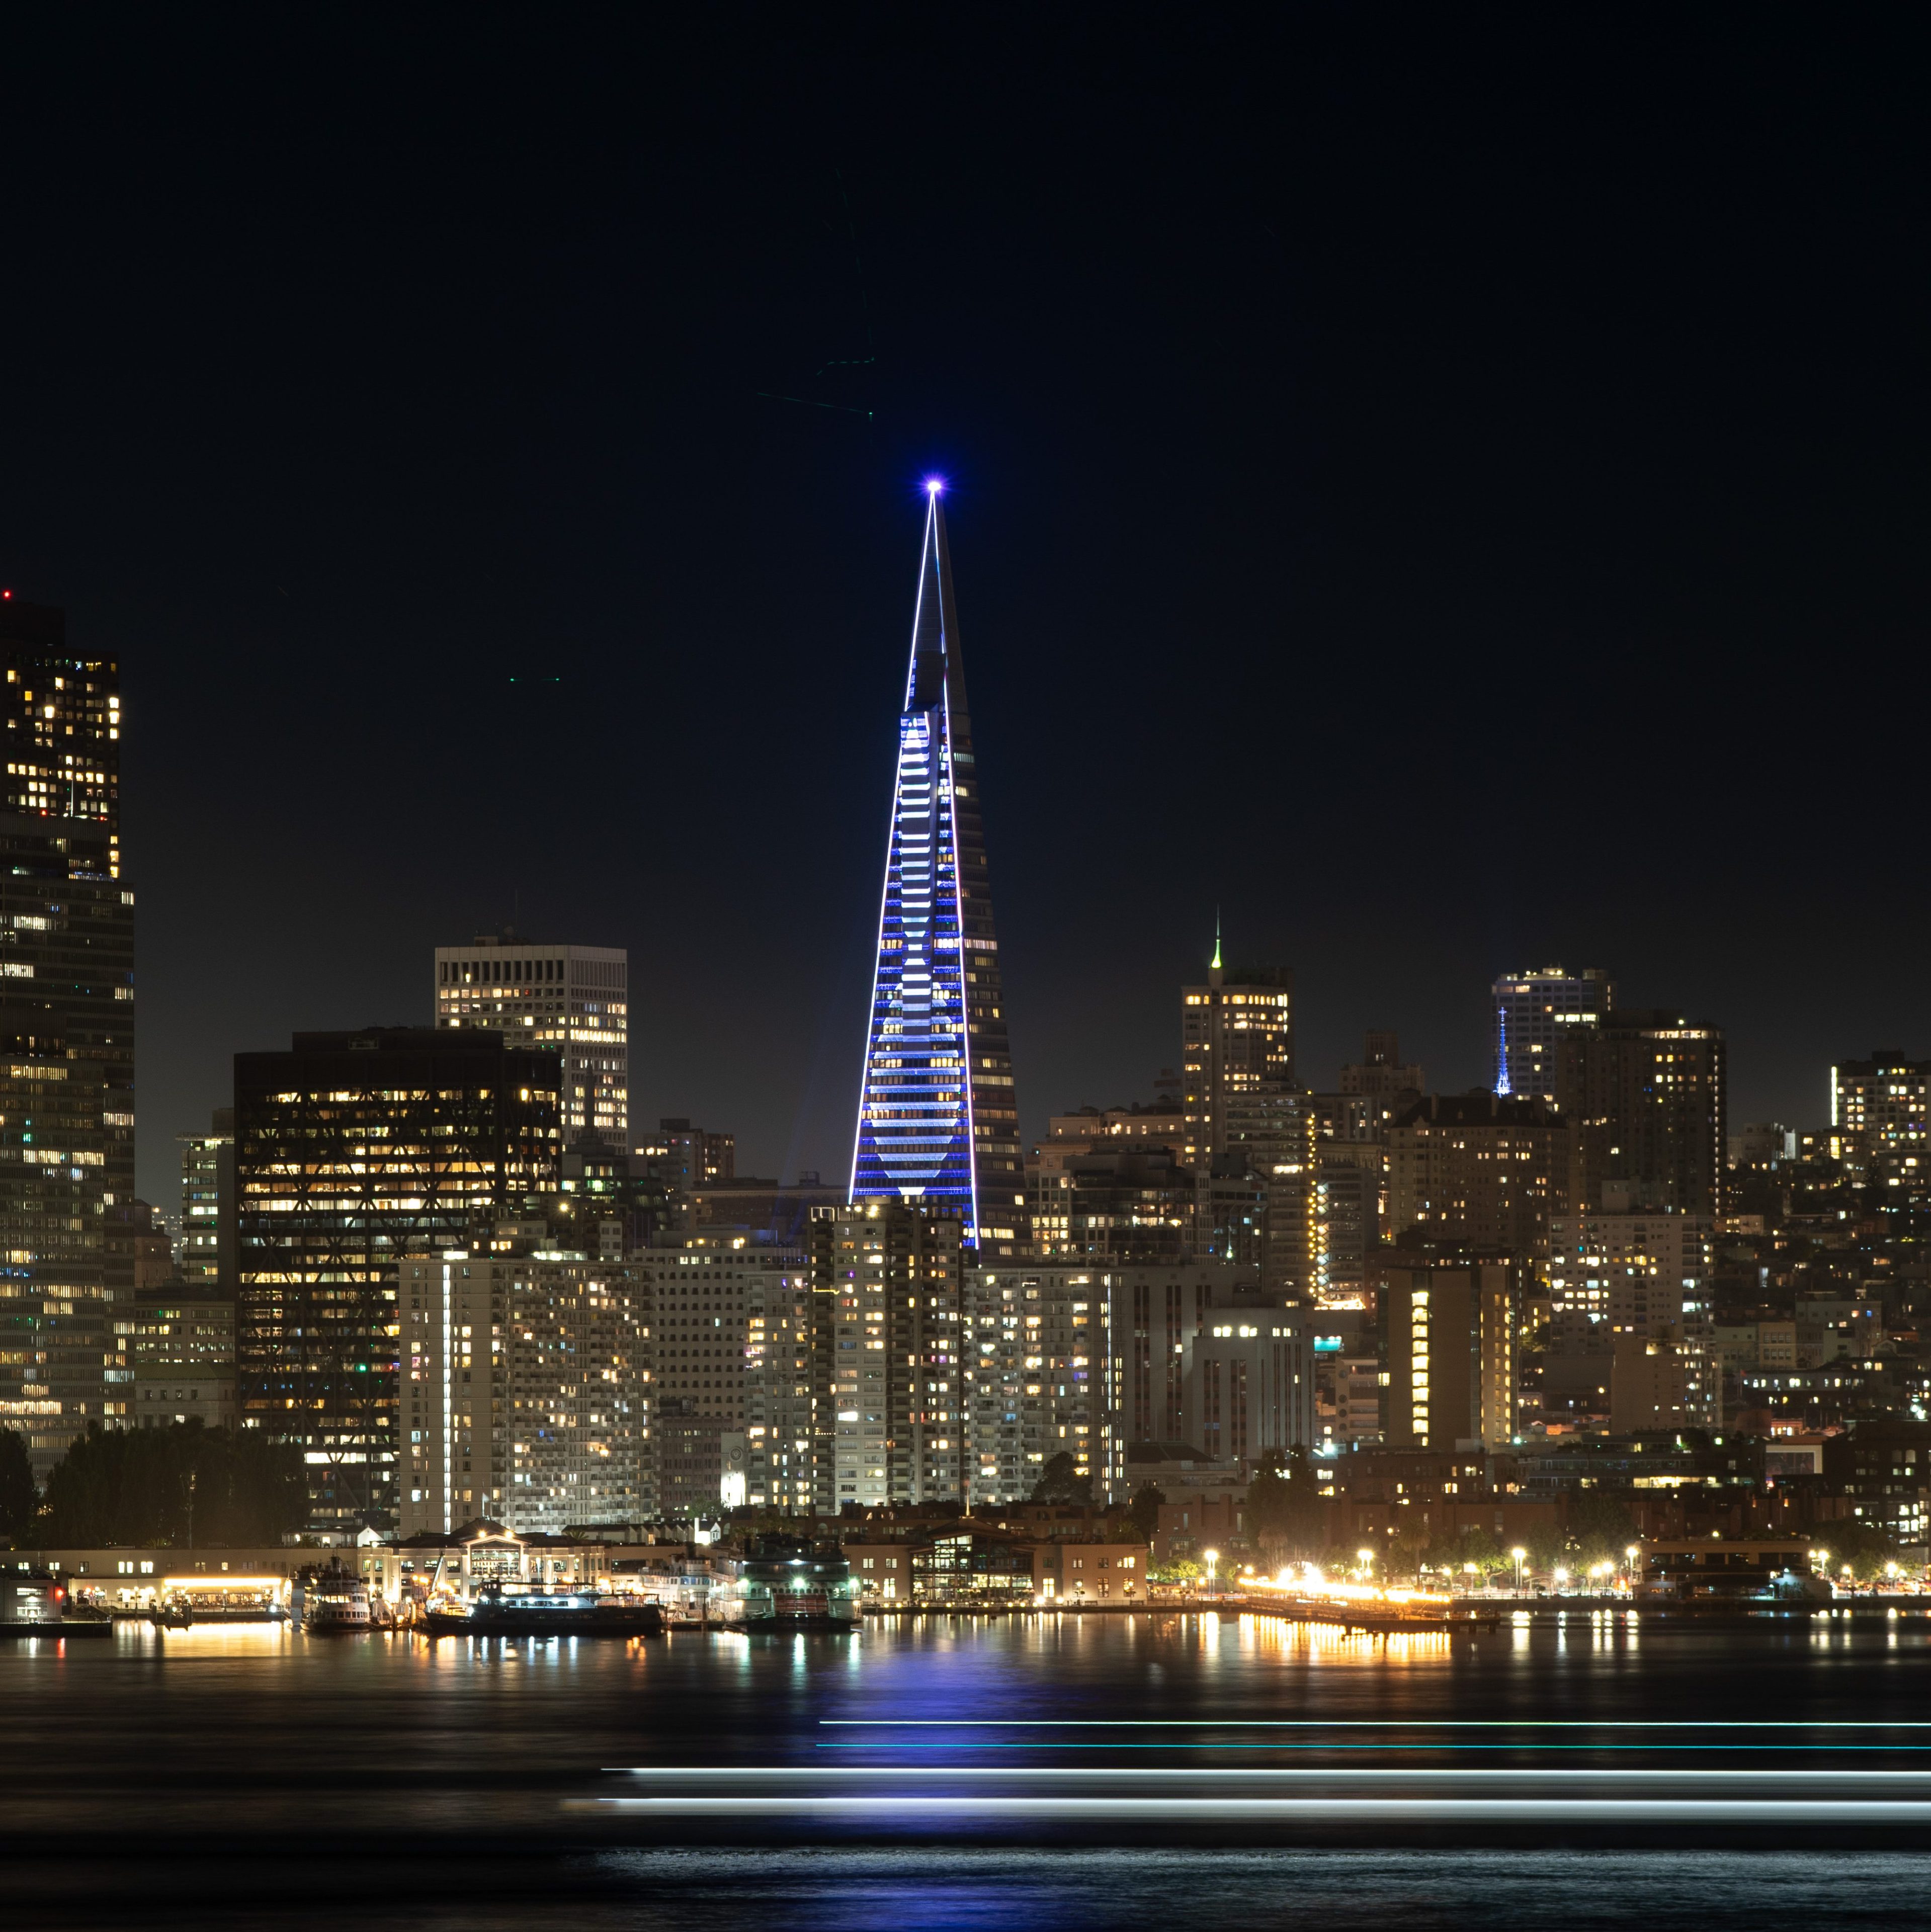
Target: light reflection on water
340, 1755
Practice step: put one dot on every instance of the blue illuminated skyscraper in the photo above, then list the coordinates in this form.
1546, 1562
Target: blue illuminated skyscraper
938, 1124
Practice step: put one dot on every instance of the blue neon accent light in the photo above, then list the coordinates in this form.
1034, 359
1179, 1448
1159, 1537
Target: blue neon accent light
914, 1139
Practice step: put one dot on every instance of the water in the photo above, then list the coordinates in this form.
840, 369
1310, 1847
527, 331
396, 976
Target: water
243, 1776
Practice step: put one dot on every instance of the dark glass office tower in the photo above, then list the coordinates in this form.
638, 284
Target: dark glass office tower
351, 1151
938, 1122
67, 1040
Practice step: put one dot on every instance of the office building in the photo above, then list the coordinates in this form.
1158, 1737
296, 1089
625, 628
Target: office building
1248, 1382
1245, 1116
67, 1034
525, 1396
1034, 1378
888, 1327
1448, 1341
1238, 1061
207, 1205
354, 1151
1644, 1095
183, 1356
938, 1120
1479, 1170
1885, 1102
571, 1000
1534, 1013
1151, 1314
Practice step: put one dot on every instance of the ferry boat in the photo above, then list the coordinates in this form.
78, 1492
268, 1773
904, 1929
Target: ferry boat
496, 1611
335, 1599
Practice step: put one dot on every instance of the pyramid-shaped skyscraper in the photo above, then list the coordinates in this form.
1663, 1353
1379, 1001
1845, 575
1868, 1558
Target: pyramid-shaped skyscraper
938, 1122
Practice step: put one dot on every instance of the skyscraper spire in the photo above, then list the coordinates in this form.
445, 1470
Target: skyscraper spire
938, 1121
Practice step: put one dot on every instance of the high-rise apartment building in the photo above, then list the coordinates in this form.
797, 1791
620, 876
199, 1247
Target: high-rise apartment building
1630, 1274
207, 1206
66, 1040
938, 1120
1448, 1328
889, 1326
525, 1396
1034, 1378
1535, 1012
1885, 1102
353, 1152
571, 1000
1644, 1095
1479, 1170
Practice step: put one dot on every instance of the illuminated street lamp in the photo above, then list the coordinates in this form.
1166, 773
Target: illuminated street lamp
1213, 1563
1521, 1556
1559, 1576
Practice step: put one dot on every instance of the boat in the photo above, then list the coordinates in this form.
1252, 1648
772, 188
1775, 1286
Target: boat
494, 1611
335, 1599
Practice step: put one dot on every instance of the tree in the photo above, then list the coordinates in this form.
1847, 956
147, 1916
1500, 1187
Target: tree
169, 1486
1181, 1569
1601, 1526
1287, 1515
1058, 1484
1145, 1510
1864, 1546
19, 1500
1478, 1546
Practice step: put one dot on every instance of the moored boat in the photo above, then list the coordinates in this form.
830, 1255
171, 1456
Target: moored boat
494, 1611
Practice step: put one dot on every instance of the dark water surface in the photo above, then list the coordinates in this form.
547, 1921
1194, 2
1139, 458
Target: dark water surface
1053, 1771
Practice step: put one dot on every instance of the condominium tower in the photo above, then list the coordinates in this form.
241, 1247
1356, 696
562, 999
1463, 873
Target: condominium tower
938, 1122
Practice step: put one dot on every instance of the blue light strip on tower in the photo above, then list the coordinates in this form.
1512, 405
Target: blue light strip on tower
914, 1140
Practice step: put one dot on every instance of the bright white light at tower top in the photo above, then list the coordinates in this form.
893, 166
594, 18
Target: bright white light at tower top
933, 485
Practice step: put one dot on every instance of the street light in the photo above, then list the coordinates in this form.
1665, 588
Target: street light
1558, 1576
1520, 1555
1213, 1563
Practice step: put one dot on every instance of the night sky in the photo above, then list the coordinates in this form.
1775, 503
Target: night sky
1448, 487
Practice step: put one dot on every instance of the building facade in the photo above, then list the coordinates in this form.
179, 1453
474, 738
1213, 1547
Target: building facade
1885, 1102
1248, 1383
354, 1151
938, 1120
525, 1396
1479, 1169
66, 1040
183, 1354
1034, 1378
1644, 1095
207, 1205
1534, 1013
888, 1287
1448, 1333
571, 1000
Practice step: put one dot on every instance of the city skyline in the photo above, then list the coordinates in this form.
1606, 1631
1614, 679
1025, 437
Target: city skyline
1296, 630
